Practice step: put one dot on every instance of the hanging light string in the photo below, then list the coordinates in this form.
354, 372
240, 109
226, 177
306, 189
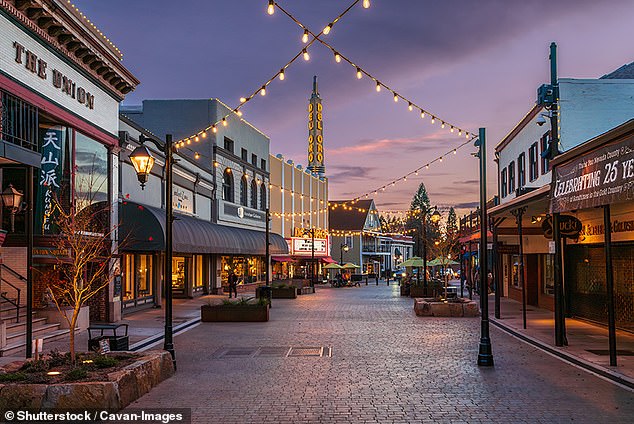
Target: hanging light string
281, 74
379, 85
415, 172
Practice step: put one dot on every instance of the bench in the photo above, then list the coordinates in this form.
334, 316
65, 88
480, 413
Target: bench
115, 341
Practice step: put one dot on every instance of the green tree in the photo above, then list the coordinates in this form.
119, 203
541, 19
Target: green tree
419, 205
452, 223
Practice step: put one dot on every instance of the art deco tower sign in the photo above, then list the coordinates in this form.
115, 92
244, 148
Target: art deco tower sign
315, 133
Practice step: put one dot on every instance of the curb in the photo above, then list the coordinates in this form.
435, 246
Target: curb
146, 343
574, 360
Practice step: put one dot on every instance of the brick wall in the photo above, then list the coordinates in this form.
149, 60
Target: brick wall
14, 258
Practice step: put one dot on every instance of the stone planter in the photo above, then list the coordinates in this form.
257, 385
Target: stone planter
53, 316
429, 307
405, 290
234, 313
417, 291
284, 293
122, 388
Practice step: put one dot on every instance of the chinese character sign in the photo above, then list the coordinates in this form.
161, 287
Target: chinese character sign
50, 177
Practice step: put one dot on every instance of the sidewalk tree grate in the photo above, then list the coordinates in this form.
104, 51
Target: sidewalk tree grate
306, 351
605, 352
272, 352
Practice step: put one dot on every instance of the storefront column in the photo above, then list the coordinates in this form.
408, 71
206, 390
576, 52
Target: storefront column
609, 278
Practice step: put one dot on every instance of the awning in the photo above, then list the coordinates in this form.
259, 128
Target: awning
282, 259
328, 260
143, 230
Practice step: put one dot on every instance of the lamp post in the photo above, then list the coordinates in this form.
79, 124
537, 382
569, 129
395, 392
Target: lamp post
142, 160
435, 217
342, 248
312, 258
12, 200
485, 355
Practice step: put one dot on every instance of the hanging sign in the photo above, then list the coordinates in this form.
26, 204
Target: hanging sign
603, 176
569, 227
50, 178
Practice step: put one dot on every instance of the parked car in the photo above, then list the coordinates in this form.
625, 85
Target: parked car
398, 274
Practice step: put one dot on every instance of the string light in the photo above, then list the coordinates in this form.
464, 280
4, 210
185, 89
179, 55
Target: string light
243, 99
359, 73
366, 4
305, 37
306, 55
263, 90
378, 86
271, 8
204, 134
282, 76
214, 129
224, 122
410, 107
337, 57
196, 155
326, 30
395, 97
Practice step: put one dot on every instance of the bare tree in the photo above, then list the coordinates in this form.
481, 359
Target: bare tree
83, 251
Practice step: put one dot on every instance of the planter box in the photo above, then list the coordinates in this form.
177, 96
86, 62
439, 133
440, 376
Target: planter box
432, 308
404, 290
285, 293
230, 313
122, 388
417, 291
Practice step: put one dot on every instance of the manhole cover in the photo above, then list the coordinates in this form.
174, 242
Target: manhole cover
605, 352
306, 351
240, 352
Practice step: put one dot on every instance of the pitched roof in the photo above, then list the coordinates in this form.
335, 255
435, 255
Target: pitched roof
346, 219
624, 72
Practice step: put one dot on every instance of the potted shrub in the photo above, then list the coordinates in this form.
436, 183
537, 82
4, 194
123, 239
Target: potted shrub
283, 291
243, 310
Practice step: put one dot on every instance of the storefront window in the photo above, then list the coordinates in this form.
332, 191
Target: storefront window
179, 273
138, 277
128, 285
91, 171
198, 271
249, 269
548, 266
515, 262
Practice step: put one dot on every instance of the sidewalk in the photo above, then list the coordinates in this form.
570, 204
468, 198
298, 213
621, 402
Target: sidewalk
584, 338
143, 326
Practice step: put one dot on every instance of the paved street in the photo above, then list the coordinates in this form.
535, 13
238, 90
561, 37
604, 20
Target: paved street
387, 365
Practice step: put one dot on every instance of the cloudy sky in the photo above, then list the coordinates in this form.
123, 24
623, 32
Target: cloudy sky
473, 63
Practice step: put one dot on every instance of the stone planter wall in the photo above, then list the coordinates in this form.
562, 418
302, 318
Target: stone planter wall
122, 388
285, 293
431, 308
230, 313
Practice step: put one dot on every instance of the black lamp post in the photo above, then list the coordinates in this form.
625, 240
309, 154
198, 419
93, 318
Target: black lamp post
142, 160
435, 217
342, 248
485, 354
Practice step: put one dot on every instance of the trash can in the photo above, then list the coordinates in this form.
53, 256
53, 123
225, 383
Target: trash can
264, 292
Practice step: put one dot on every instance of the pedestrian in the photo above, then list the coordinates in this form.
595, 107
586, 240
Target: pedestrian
490, 282
233, 284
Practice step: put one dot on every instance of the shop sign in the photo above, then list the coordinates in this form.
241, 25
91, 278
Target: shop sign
594, 231
306, 232
243, 213
50, 178
50, 252
182, 200
569, 227
29, 61
602, 177
303, 246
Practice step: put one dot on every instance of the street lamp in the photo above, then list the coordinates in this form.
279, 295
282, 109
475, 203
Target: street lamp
142, 161
435, 217
12, 200
343, 248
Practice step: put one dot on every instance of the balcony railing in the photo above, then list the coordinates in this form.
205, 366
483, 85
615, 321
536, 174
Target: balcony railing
18, 122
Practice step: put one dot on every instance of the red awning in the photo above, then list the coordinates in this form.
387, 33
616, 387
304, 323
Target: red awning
328, 260
474, 236
282, 259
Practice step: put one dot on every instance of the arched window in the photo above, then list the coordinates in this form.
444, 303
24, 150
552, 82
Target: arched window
227, 186
263, 196
243, 191
254, 194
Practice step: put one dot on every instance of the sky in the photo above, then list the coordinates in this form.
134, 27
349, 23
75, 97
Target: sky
475, 64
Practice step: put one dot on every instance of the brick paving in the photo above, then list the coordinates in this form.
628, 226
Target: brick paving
387, 366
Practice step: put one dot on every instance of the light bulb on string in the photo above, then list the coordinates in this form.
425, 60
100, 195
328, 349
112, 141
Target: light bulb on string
305, 37
395, 97
442, 125
306, 55
410, 107
327, 29
214, 129
196, 155
271, 9
282, 76
378, 86
427, 166
416, 172
433, 119
422, 115
337, 57
455, 151
189, 141
440, 159
204, 134
263, 90
366, 4
197, 139
238, 112
224, 122
243, 99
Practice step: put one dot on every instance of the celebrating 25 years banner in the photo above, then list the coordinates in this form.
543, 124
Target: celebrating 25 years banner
601, 177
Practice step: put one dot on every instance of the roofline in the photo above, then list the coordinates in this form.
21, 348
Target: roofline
518, 127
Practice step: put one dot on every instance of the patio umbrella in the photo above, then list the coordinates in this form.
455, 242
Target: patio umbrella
350, 265
442, 261
411, 262
333, 266
434, 262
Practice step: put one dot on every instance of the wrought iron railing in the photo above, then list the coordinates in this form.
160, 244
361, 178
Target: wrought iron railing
18, 122
16, 299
